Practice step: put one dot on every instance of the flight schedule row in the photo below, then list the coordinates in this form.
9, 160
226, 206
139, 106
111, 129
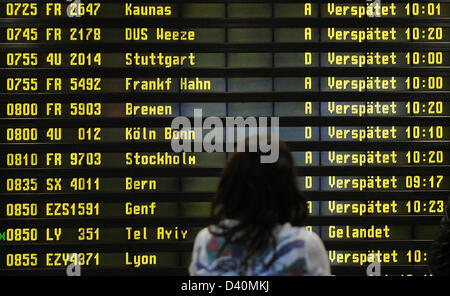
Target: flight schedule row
186, 134
193, 60
147, 208
189, 84
141, 234
93, 160
129, 260
98, 9
163, 35
149, 184
58, 108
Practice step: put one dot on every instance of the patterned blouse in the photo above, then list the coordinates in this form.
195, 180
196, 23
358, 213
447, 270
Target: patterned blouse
298, 252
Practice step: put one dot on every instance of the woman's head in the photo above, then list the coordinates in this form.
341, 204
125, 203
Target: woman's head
258, 195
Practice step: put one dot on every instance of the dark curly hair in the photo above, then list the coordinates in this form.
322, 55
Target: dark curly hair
259, 196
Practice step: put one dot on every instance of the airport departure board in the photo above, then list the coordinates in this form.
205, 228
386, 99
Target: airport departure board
88, 91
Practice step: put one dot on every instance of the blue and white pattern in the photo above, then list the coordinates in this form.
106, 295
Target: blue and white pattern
298, 252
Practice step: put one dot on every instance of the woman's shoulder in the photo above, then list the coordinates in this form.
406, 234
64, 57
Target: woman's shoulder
303, 249
287, 231
283, 232
286, 235
203, 234
209, 234
214, 229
